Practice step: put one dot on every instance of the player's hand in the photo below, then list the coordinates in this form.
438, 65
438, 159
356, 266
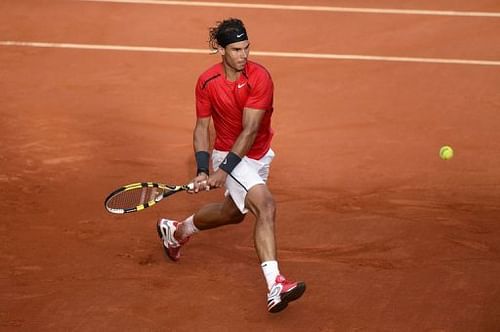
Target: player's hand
199, 183
217, 179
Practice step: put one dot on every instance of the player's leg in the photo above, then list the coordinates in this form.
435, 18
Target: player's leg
260, 202
175, 234
218, 214
209, 216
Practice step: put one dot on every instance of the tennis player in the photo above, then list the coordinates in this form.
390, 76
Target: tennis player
237, 94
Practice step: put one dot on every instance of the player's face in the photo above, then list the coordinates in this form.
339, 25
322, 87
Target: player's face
235, 55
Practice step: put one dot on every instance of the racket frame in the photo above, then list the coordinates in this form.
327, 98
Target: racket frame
167, 191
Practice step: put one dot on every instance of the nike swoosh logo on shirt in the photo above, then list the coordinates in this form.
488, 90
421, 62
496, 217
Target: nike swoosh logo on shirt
241, 85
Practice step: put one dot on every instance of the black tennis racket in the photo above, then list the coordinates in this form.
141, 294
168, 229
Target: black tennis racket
138, 196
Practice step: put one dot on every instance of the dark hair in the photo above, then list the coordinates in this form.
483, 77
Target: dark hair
225, 32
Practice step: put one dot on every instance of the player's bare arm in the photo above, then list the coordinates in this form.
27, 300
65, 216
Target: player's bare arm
201, 142
251, 124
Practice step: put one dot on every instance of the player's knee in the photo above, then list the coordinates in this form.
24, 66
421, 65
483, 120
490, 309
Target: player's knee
232, 216
261, 202
267, 210
236, 218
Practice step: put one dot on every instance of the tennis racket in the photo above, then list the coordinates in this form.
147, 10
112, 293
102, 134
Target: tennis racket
138, 196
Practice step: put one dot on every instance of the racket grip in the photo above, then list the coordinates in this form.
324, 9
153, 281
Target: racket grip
190, 186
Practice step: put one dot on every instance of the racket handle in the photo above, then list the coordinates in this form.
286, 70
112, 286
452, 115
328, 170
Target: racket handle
190, 186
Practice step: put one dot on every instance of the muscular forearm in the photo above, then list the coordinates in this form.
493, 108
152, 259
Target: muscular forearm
251, 124
244, 142
201, 141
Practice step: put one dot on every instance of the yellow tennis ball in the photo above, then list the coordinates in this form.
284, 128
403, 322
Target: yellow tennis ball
446, 152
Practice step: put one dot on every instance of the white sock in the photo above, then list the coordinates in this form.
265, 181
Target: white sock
187, 228
271, 271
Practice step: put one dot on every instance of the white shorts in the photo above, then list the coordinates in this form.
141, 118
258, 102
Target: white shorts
248, 173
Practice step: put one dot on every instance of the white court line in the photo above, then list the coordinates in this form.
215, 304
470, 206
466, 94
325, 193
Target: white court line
307, 8
256, 53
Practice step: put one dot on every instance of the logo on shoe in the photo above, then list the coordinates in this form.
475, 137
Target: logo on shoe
275, 291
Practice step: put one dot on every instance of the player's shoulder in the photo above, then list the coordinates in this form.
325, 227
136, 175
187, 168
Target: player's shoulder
210, 74
254, 68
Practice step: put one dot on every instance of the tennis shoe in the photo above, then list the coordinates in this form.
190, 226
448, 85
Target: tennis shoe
283, 292
166, 230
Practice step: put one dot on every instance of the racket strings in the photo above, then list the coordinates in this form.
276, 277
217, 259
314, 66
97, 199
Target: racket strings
134, 197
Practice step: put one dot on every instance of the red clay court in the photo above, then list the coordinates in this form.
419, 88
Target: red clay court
387, 236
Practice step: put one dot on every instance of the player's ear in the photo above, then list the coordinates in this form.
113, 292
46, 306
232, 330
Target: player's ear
221, 50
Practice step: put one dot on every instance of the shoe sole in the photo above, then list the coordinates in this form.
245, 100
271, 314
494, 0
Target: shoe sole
159, 231
293, 295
